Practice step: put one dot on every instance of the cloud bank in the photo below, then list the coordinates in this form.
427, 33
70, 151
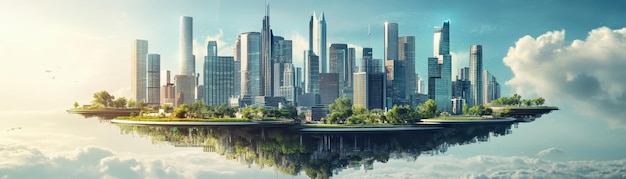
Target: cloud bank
19, 161
586, 74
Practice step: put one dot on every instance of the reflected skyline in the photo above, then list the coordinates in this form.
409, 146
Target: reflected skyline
317, 154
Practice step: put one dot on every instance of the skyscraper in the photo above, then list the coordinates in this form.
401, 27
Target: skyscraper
219, 75
267, 70
369, 85
248, 45
338, 58
311, 74
168, 93
476, 74
317, 39
406, 54
350, 67
288, 90
138, 69
440, 69
329, 88
491, 87
186, 59
391, 41
154, 79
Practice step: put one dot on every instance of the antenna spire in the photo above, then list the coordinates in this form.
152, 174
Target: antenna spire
369, 35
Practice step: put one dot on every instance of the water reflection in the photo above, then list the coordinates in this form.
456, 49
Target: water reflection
318, 155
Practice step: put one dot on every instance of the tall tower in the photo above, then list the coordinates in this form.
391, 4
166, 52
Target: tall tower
311, 74
406, 54
391, 41
154, 79
476, 74
248, 47
185, 81
267, 64
186, 60
440, 69
138, 69
317, 39
338, 58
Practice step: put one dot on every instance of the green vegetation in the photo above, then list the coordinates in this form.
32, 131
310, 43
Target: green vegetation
516, 100
459, 118
349, 125
343, 112
428, 109
479, 110
175, 119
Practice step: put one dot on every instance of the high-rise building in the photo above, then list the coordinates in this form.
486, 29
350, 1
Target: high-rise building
391, 41
219, 72
461, 86
369, 85
281, 55
186, 59
350, 67
311, 74
248, 45
168, 93
288, 90
138, 69
476, 74
491, 87
406, 54
185, 81
329, 88
338, 58
317, 40
154, 80
439, 69
267, 70
185, 89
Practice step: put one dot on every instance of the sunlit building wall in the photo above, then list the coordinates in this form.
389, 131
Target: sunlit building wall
138, 69
154, 79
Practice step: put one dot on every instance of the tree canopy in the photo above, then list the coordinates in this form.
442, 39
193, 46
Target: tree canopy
103, 99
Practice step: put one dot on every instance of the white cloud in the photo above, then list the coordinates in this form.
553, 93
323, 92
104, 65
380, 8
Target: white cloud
491, 167
19, 161
586, 74
299, 44
459, 59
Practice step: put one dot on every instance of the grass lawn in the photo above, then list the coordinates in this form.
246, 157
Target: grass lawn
460, 118
171, 119
351, 125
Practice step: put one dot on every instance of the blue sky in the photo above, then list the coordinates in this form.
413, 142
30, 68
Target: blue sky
87, 44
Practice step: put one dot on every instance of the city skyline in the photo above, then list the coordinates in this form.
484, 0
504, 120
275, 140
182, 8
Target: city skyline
102, 31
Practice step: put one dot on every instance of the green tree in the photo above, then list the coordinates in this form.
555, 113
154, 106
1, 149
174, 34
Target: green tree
340, 110
142, 104
167, 107
289, 112
76, 104
465, 108
132, 103
102, 98
181, 111
428, 109
516, 100
539, 101
527, 102
119, 102
249, 112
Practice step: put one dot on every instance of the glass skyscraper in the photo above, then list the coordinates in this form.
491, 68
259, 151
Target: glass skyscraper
338, 58
476, 75
219, 73
249, 48
138, 69
317, 40
440, 69
154, 79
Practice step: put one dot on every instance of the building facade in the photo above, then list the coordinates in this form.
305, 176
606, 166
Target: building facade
138, 69
476, 75
329, 88
317, 40
154, 80
249, 47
